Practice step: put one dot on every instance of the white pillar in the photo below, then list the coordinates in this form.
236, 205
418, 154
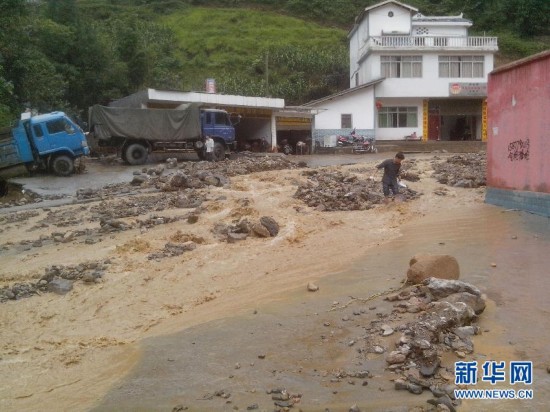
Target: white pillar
273, 131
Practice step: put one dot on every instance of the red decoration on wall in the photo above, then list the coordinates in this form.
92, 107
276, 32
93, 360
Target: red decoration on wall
378, 104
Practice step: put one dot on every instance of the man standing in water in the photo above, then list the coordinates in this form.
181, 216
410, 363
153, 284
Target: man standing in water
391, 173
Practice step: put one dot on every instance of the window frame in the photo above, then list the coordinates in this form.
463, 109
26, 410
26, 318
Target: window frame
395, 117
401, 67
59, 126
463, 67
345, 119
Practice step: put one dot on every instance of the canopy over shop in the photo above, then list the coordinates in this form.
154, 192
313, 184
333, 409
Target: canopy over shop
264, 122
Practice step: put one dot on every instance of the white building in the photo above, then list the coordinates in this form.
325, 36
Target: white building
411, 73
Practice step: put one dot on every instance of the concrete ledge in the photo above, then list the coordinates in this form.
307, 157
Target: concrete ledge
412, 146
534, 202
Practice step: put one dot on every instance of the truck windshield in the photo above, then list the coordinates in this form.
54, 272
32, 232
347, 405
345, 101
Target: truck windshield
221, 118
60, 125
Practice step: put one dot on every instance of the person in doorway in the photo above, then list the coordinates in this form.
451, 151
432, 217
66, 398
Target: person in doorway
209, 144
391, 174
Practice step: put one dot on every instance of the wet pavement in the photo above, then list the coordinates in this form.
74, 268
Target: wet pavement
287, 344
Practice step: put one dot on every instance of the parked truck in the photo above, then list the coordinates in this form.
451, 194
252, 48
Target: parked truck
50, 142
135, 132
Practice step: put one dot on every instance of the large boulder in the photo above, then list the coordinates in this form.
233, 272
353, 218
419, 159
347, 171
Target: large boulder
422, 267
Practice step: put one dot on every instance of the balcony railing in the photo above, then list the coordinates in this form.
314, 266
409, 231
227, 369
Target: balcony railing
420, 43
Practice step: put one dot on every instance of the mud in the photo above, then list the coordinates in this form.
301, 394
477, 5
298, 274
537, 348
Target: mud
303, 355
236, 319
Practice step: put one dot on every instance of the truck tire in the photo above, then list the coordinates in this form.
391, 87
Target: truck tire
135, 154
62, 165
219, 152
4, 188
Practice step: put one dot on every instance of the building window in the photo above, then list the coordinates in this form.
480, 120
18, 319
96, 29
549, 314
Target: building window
401, 66
461, 66
398, 117
346, 122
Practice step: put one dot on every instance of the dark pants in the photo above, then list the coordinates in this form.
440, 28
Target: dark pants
393, 186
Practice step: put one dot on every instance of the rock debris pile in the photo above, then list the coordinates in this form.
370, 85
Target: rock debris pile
465, 170
447, 313
264, 228
196, 175
57, 279
334, 190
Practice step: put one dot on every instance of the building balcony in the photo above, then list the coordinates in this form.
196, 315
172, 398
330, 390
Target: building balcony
428, 43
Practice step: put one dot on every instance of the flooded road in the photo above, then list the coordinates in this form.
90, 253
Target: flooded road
295, 341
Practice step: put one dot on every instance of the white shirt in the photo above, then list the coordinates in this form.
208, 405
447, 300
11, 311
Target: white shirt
209, 145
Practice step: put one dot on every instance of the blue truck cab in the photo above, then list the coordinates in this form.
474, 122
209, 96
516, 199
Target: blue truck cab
50, 142
217, 124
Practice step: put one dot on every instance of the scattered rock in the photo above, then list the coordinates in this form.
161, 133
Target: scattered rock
260, 230
312, 287
60, 286
422, 267
271, 225
395, 357
387, 330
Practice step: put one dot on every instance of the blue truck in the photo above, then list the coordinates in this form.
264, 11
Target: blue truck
136, 132
50, 142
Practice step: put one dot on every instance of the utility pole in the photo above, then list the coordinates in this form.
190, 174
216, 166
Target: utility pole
267, 73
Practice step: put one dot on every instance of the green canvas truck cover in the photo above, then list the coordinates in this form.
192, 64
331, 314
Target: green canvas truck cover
161, 125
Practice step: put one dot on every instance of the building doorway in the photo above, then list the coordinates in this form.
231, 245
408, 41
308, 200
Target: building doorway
434, 124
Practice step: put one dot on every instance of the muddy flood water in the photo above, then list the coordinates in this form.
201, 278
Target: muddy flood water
296, 339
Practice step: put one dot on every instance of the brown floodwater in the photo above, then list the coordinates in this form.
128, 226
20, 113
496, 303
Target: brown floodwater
505, 253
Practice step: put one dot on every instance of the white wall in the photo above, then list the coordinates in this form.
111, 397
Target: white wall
380, 21
354, 45
429, 85
359, 104
442, 30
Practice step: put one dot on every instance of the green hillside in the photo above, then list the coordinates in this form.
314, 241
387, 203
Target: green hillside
246, 49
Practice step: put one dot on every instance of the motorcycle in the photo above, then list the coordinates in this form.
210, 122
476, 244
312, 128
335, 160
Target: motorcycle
343, 141
350, 140
285, 147
365, 145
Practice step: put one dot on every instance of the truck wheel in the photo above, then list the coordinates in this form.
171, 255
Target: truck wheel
219, 152
136, 154
3, 187
62, 165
